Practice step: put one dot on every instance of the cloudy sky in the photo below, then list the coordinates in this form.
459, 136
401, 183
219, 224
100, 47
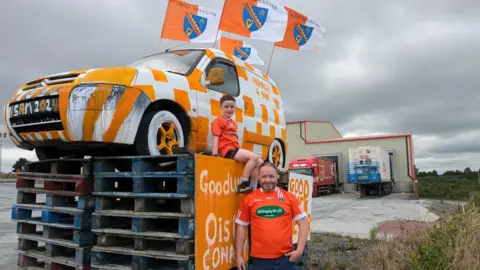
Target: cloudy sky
387, 67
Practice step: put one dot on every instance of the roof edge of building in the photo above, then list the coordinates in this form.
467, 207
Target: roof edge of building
315, 121
363, 138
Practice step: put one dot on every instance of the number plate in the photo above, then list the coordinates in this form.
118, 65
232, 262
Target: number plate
34, 107
363, 177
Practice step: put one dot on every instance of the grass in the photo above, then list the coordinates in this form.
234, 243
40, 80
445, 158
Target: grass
449, 187
452, 244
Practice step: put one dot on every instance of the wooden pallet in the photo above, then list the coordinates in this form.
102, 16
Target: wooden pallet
125, 259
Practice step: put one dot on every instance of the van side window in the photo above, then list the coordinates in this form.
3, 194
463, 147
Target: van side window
230, 86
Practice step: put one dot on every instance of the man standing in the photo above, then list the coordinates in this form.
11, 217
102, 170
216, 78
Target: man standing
270, 211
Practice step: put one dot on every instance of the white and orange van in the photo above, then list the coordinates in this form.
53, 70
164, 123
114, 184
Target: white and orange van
150, 107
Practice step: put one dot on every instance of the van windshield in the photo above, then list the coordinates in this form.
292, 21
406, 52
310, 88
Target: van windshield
180, 61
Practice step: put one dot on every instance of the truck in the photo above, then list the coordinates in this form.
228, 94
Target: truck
322, 170
370, 169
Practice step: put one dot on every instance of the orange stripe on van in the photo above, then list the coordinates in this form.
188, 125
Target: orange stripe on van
158, 75
265, 76
202, 134
257, 137
239, 115
249, 107
284, 135
148, 90
245, 143
242, 73
215, 108
229, 57
93, 109
37, 92
63, 106
55, 135
124, 107
66, 135
264, 113
182, 98
277, 117
275, 90
194, 81
44, 136
273, 133
250, 67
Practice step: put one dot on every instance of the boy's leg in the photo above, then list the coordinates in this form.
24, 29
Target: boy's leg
251, 161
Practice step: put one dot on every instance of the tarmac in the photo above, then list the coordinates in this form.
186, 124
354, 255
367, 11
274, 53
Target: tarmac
348, 214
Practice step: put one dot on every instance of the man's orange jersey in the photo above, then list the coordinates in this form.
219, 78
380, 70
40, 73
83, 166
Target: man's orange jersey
226, 129
270, 215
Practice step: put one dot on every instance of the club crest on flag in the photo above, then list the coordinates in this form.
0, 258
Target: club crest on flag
194, 25
242, 52
254, 17
302, 33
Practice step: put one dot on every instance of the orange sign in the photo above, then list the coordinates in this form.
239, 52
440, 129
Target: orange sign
216, 206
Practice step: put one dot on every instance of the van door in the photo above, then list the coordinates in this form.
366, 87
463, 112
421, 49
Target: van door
209, 103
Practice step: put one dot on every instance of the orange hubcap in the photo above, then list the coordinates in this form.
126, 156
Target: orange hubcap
276, 155
167, 138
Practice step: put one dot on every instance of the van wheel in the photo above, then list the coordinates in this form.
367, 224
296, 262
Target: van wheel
160, 132
276, 154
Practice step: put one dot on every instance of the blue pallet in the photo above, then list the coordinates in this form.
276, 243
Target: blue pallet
79, 220
145, 175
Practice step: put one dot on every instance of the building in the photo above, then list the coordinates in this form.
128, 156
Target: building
322, 139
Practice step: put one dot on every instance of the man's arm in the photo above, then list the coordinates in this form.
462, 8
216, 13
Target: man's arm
302, 234
240, 235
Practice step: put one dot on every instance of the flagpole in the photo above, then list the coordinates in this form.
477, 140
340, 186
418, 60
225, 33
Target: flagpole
218, 29
271, 57
163, 26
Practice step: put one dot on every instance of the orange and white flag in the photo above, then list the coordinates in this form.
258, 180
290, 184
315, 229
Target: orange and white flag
256, 19
303, 33
190, 23
240, 49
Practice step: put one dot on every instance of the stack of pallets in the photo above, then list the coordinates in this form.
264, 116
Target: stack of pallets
53, 214
144, 215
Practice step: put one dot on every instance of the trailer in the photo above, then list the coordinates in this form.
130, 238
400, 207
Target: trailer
163, 212
325, 179
369, 168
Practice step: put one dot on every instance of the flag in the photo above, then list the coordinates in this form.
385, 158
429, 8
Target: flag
240, 49
190, 23
303, 33
256, 19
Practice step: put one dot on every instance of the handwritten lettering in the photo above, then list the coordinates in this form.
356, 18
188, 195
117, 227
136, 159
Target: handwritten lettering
302, 189
217, 187
220, 234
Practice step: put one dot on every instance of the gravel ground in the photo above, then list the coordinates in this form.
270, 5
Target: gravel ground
329, 251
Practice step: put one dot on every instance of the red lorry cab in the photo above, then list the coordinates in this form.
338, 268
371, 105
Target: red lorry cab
322, 170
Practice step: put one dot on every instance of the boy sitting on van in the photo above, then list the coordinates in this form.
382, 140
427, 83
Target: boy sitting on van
225, 144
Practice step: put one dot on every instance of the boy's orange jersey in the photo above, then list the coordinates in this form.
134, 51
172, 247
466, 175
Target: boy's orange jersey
270, 215
226, 129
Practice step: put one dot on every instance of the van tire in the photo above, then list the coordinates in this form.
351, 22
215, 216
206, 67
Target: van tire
146, 141
276, 154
